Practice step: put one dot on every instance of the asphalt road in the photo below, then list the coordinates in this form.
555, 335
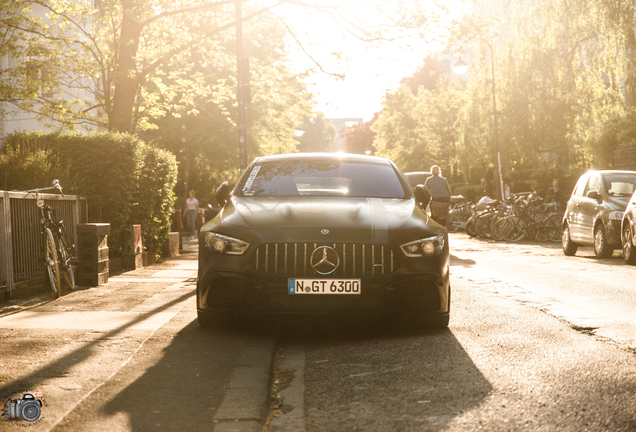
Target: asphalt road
537, 341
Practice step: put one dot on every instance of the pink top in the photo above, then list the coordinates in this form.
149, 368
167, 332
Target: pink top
191, 204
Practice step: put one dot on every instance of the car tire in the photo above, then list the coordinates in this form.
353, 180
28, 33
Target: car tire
569, 247
602, 249
629, 253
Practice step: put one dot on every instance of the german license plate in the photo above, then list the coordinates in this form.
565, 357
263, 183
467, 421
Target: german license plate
324, 286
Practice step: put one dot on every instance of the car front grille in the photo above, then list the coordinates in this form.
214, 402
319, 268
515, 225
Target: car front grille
294, 259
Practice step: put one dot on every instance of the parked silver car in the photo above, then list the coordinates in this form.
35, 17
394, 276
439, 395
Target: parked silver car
629, 230
595, 211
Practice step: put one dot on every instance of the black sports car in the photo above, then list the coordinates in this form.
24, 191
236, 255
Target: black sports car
323, 233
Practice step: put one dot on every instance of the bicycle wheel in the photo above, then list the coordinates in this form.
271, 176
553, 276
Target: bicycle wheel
512, 229
549, 230
452, 224
52, 264
66, 263
470, 228
540, 233
495, 227
482, 225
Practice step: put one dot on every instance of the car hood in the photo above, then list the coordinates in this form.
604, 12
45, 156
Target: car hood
318, 212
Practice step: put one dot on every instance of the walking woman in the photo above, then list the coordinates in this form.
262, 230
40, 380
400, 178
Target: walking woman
191, 211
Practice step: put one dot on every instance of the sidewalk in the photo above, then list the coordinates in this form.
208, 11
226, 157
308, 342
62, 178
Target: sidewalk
35, 298
128, 354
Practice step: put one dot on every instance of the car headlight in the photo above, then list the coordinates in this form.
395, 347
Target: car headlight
220, 244
424, 247
616, 215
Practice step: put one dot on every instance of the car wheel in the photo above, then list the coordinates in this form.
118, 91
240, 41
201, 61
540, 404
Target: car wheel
602, 249
629, 254
569, 247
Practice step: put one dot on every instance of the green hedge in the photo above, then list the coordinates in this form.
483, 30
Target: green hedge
472, 192
125, 181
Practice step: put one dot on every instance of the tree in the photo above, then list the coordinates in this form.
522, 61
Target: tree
560, 67
199, 137
617, 133
359, 138
428, 75
111, 65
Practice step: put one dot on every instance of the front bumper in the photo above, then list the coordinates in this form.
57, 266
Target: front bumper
614, 232
227, 285
236, 293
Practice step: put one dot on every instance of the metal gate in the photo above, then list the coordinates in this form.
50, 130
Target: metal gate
21, 243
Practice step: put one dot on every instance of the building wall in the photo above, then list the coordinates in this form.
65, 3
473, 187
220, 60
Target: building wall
15, 119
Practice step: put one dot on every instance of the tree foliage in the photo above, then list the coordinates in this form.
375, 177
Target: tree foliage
564, 91
359, 138
422, 129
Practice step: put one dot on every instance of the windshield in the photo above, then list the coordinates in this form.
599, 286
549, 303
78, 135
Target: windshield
323, 178
620, 185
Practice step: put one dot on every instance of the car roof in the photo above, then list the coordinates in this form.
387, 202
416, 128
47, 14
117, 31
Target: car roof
351, 157
412, 173
612, 172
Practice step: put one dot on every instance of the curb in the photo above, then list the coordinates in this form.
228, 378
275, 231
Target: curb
246, 401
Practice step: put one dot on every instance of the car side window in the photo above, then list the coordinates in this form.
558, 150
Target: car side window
594, 184
580, 186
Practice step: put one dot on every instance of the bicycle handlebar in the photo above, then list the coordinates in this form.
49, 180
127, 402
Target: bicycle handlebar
55, 185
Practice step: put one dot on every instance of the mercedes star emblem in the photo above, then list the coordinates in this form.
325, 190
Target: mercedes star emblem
325, 260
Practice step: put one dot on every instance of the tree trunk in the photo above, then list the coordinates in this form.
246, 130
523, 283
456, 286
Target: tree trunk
126, 81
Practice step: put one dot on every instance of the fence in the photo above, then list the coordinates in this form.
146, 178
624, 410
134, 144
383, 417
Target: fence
21, 243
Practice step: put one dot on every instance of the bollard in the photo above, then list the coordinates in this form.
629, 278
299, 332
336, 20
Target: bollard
131, 251
93, 264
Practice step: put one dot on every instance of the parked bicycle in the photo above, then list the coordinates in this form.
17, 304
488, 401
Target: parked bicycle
460, 211
58, 255
479, 224
529, 218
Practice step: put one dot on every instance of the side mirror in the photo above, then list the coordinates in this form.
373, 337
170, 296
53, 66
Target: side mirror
422, 195
594, 195
222, 194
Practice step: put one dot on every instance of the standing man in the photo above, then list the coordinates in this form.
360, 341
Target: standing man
556, 195
440, 193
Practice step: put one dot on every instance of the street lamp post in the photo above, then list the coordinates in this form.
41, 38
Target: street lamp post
242, 87
460, 68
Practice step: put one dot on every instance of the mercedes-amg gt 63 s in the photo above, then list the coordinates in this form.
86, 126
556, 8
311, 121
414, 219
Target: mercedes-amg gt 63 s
323, 234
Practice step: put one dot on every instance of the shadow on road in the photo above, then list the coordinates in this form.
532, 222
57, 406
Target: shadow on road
375, 375
177, 381
184, 387
456, 261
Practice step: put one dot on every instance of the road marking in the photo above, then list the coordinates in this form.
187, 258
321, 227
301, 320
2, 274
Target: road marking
294, 395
